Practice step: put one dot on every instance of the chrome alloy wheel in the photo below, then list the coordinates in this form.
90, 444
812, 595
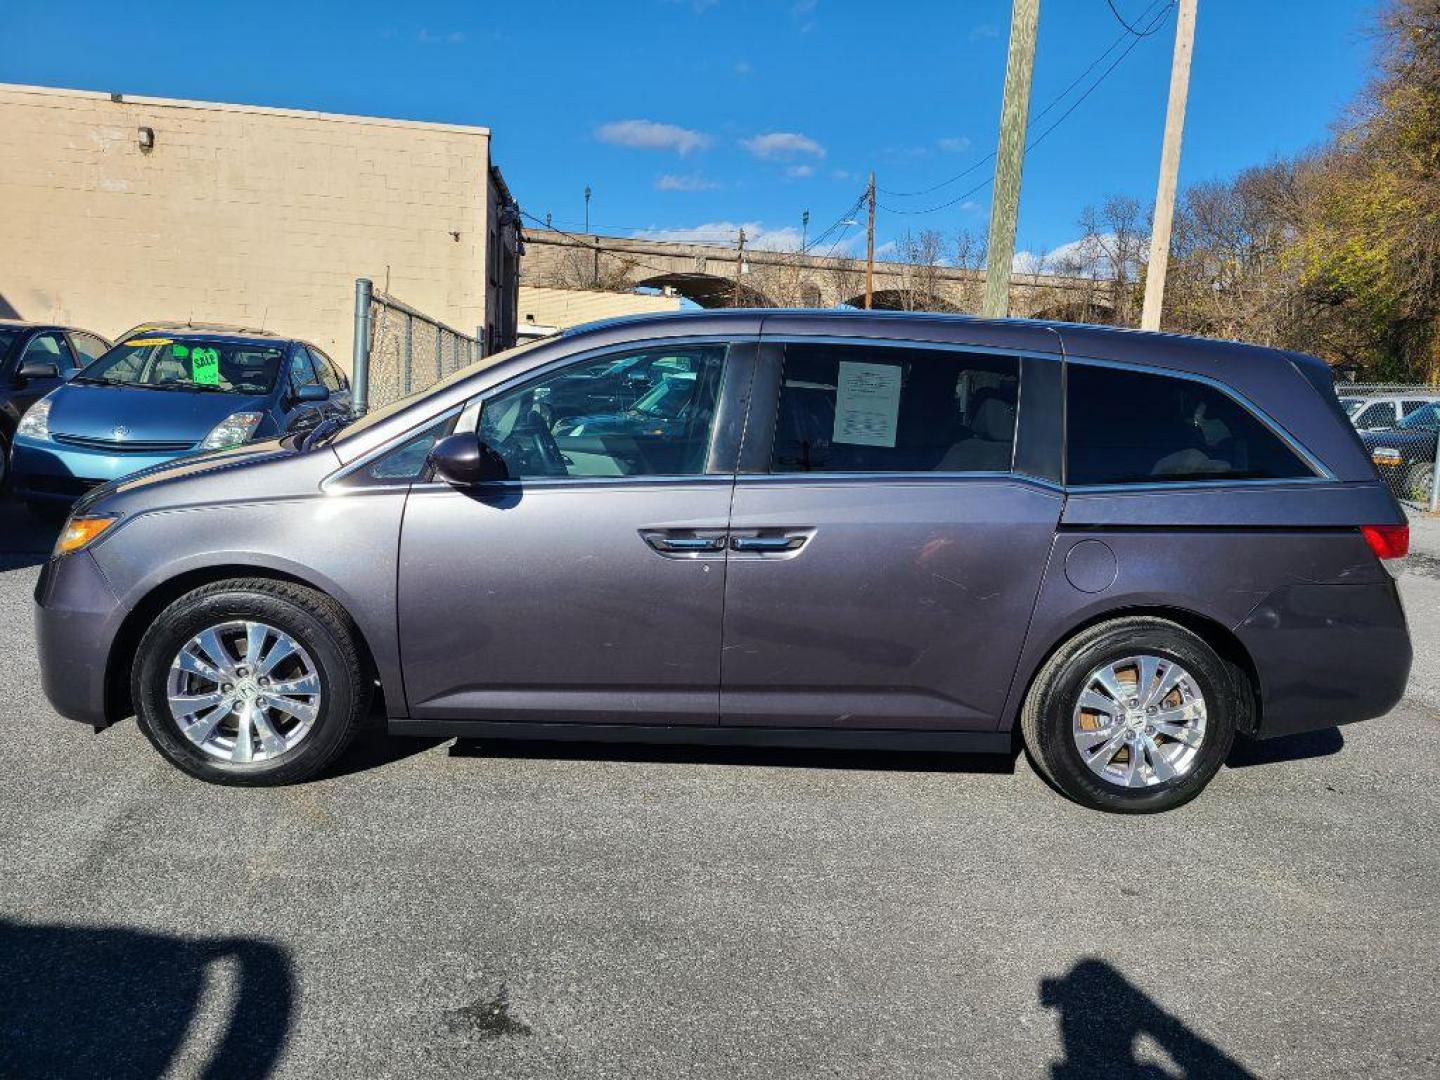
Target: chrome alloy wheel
1140, 721
244, 692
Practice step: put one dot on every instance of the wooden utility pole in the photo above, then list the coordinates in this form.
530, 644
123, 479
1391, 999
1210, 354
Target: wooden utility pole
1169, 167
1010, 157
870, 243
739, 267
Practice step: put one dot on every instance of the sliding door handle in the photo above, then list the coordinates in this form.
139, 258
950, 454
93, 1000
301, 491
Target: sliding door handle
767, 543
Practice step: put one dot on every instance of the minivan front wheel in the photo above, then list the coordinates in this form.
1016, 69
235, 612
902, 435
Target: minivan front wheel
1135, 715
250, 682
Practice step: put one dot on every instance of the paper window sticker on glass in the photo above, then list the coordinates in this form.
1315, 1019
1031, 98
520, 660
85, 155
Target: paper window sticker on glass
867, 404
205, 366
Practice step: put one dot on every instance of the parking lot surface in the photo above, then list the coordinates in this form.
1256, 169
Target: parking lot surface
441, 909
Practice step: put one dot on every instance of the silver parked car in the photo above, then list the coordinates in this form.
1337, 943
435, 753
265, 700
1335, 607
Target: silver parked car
1380, 412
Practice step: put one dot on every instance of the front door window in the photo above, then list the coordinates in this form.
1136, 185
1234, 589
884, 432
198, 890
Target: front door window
629, 415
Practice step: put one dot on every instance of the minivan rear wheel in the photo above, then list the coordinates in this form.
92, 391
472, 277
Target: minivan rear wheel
1135, 715
251, 682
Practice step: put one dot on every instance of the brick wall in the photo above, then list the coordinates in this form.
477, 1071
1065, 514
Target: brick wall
237, 215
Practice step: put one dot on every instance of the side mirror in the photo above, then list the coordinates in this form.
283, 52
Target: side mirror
463, 460
311, 393
38, 369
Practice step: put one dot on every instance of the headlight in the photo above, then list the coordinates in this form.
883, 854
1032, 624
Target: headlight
80, 531
35, 424
233, 430
1385, 455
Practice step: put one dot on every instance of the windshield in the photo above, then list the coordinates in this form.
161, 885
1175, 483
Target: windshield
1427, 418
211, 365
1351, 405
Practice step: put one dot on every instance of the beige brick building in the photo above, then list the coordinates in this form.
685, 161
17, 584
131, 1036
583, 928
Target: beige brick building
543, 308
116, 210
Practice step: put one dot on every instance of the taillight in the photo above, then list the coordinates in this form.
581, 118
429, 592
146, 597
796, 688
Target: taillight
1390, 543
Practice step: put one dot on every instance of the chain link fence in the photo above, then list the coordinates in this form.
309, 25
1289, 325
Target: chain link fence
406, 350
1400, 426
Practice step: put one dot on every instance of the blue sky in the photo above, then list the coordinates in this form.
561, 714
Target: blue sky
705, 114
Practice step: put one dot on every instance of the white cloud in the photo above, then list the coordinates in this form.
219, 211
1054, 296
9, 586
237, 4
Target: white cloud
454, 37
887, 248
800, 172
743, 68
650, 135
685, 182
985, 32
783, 144
727, 233
841, 174
1054, 260
953, 146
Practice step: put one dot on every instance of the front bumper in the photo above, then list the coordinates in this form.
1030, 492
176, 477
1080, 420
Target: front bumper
77, 617
47, 471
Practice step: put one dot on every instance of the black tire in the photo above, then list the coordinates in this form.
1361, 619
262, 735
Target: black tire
1046, 718
320, 626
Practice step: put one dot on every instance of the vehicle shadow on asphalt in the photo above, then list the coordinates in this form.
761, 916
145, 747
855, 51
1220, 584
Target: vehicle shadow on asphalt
1103, 1019
771, 757
88, 1001
374, 748
1309, 744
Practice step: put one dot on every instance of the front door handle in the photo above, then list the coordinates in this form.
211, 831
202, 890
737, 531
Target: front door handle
768, 544
687, 543
683, 544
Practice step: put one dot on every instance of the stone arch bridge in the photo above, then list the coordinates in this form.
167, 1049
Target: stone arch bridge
705, 273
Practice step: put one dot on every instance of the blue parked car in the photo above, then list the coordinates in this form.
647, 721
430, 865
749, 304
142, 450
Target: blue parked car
163, 394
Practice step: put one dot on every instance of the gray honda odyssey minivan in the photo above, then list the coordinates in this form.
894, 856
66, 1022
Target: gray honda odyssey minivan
786, 528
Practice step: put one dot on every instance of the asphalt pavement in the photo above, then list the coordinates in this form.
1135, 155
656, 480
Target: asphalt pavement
443, 909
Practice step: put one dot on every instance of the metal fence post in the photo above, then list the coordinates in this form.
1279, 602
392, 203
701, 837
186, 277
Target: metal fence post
360, 371
405, 360
1435, 478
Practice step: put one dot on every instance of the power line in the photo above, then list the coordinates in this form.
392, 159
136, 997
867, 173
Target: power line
1132, 37
1134, 41
1121, 20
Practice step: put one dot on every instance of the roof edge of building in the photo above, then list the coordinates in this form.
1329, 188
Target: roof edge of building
232, 107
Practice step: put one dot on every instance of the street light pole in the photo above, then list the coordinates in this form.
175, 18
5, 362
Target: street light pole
1169, 167
1010, 157
587, 208
804, 229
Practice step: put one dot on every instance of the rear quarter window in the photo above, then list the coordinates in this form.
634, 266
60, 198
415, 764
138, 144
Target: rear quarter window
1132, 427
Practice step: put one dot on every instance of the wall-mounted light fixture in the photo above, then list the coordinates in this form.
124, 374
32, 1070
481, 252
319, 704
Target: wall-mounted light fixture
147, 139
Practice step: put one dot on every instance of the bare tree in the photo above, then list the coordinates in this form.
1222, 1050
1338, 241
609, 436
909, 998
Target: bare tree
918, 271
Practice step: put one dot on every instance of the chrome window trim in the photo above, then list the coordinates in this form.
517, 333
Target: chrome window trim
574, 482
909, 343
1020, 356
1265, 419
1150, 486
